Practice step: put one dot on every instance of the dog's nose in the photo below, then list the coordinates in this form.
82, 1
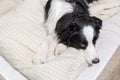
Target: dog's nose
95, 61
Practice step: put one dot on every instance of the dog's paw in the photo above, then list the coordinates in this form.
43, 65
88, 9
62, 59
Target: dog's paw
60, 48
37, 59
41, 53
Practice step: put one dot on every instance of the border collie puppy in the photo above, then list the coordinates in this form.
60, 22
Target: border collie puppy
69, 23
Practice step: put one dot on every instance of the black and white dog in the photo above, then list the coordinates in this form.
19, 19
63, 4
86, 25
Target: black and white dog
69, 22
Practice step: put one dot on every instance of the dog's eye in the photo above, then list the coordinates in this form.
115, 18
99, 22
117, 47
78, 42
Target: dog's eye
68, 0
83, 45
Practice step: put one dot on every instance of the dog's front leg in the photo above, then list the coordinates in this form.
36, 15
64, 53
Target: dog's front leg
42, 52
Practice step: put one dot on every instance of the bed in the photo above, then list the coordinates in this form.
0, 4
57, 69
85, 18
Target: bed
21, 33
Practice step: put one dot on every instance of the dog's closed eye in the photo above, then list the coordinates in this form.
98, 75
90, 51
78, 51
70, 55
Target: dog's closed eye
67, 0
83, 45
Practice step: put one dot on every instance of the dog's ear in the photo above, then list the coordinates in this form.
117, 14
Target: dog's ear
98, 22
70, 31
64, 31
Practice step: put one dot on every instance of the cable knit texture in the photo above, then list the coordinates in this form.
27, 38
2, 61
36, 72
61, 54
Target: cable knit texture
21, 33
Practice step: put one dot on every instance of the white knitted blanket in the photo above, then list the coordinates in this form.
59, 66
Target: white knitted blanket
21, 33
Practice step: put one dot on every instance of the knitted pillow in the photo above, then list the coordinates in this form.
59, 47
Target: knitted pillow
21, 32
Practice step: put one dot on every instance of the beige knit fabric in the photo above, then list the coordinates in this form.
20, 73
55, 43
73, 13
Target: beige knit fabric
105, 8
7, 5
21, 32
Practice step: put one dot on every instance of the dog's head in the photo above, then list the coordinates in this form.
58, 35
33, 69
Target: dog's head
80, 33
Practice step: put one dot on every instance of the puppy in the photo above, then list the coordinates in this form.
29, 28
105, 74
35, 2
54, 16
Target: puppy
69, 23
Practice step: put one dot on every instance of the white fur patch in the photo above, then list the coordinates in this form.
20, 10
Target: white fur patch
88, 33
57, 10
90, 51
